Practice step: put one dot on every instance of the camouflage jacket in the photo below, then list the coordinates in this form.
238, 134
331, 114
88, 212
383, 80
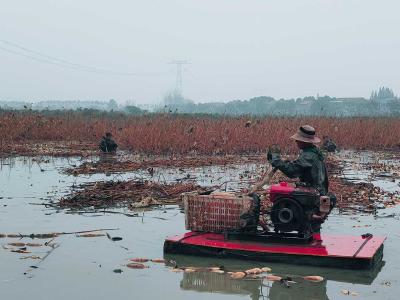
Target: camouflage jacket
108, 145
329, 146
309, 167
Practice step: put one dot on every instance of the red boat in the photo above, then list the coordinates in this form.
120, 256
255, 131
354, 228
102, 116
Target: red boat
325, 250
225, 225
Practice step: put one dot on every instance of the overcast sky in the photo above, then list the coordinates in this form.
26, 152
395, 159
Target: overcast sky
238, 49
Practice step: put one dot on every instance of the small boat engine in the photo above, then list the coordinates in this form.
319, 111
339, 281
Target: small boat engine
299, 208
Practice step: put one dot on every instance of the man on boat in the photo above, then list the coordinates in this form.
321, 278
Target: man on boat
309, 167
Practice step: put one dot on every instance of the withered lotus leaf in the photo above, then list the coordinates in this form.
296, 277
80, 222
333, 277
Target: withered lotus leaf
17, 244
273, 278
314, 278
139, 259
238, 275
34, 245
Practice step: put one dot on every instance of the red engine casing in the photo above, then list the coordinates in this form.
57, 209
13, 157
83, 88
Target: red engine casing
279, 190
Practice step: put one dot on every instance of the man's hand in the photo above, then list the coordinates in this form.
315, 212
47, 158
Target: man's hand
249, 191
274, 152
252, 191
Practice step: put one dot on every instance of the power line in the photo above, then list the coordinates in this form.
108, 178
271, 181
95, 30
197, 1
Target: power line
33, 58
44, 58
45, 55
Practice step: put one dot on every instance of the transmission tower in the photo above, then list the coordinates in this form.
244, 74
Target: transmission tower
179, 64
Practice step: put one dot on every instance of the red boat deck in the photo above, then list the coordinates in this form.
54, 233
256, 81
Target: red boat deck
325, 250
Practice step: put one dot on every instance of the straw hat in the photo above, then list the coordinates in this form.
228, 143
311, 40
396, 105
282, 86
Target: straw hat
306, 134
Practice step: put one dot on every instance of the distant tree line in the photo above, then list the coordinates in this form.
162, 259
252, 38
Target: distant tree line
383, 93
82, 107
382, 102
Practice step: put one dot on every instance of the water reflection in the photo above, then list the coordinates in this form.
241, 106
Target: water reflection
254, 288
208, 282
218, 283
108, 158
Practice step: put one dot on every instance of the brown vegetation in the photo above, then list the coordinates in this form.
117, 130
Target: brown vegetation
122, 193
111, 165
174, 134
132, 193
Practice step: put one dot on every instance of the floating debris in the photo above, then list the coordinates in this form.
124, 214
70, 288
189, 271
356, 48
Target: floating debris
34, 245
20, 244
266, 270
136, 266
139, 260
20, 251
218, 271
237, 275
17, 244
11, 235
31, 257
189, 270
287, 281
253, 271
386, 283
112, 193
90, 235
273, 278
176, 270
50, 148
113, 238
359, 196
314, 278
146, 202
347, 292
45, 235
158, 260
52, 235
126, 165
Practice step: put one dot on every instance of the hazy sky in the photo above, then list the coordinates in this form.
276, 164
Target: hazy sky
237, 48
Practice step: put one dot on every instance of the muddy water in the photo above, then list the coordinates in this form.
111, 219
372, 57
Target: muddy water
82, 268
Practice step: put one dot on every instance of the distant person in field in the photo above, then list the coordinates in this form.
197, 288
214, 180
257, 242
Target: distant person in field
107, 144
328, 144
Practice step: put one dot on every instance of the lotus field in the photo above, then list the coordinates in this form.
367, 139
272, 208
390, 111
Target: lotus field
182, 134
